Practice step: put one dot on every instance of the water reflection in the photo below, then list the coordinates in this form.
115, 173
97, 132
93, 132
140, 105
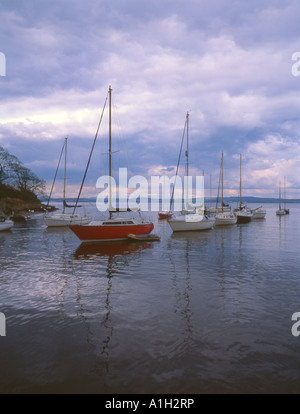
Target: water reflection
111, 259
282, 229
110, 249
5, 237
220, 242
186, 311
192, 235
56, 230
107, 322
182, 278
198, 312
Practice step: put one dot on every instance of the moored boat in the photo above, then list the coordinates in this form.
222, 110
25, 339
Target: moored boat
223, 218
117, 228
243, 216
287, 210
63, 219
163, 215
111, 229
242, 213
144, 237
191, 222
5, 224
281, 211
258, 213
190, 219
215, 210
226, 218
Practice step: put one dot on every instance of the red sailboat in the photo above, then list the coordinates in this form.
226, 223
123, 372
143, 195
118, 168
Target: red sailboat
111, 229
117, 228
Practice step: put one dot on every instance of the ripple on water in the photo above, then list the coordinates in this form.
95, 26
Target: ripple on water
199, 312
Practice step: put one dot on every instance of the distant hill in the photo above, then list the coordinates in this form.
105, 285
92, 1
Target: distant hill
207, 200
257, 200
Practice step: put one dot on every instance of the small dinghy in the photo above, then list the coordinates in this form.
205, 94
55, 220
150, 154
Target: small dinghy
163, 215
144, 237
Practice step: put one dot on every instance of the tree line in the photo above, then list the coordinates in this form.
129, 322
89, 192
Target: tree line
14, 174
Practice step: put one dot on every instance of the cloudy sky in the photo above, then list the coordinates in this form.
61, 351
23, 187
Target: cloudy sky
228, 62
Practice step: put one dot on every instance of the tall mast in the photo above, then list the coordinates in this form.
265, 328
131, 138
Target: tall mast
65, 173
109, 153
284, 195
279, 195
187, 160
210, 190
222, 182
187, 144
240, 181
220, 174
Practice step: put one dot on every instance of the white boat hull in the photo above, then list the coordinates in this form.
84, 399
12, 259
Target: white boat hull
280, 212
182, 223
259, 215
224, 219
6, 225
64, 220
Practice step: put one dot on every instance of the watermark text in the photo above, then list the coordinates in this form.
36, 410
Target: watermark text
296, 326
2, 64
2, 324
140, 193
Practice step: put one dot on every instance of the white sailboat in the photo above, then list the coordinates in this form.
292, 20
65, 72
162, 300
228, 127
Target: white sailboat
5, 224
63, 219
287, 210
224, 218
242, 213
164, 214
281, 211
191, 222
190, 219
187, 208
258, 213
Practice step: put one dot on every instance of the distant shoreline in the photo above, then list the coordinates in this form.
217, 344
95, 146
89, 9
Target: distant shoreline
246, 200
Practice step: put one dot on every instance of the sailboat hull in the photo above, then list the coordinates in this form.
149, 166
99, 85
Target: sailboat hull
181, 224
223, 219
6, 225
280, 212
243, 218
101, 232
64, 220
259, 215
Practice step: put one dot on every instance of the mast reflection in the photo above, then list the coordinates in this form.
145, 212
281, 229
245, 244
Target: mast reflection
114, 255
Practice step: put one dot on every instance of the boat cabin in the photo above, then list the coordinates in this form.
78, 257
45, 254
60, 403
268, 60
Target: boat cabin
118, 222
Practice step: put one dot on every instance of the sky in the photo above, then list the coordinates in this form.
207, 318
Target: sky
229, 63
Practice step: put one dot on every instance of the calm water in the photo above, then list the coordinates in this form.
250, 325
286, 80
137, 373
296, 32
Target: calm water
205, 312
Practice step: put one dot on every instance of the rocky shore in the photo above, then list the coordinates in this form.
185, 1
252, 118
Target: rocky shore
18, 209
20, 204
